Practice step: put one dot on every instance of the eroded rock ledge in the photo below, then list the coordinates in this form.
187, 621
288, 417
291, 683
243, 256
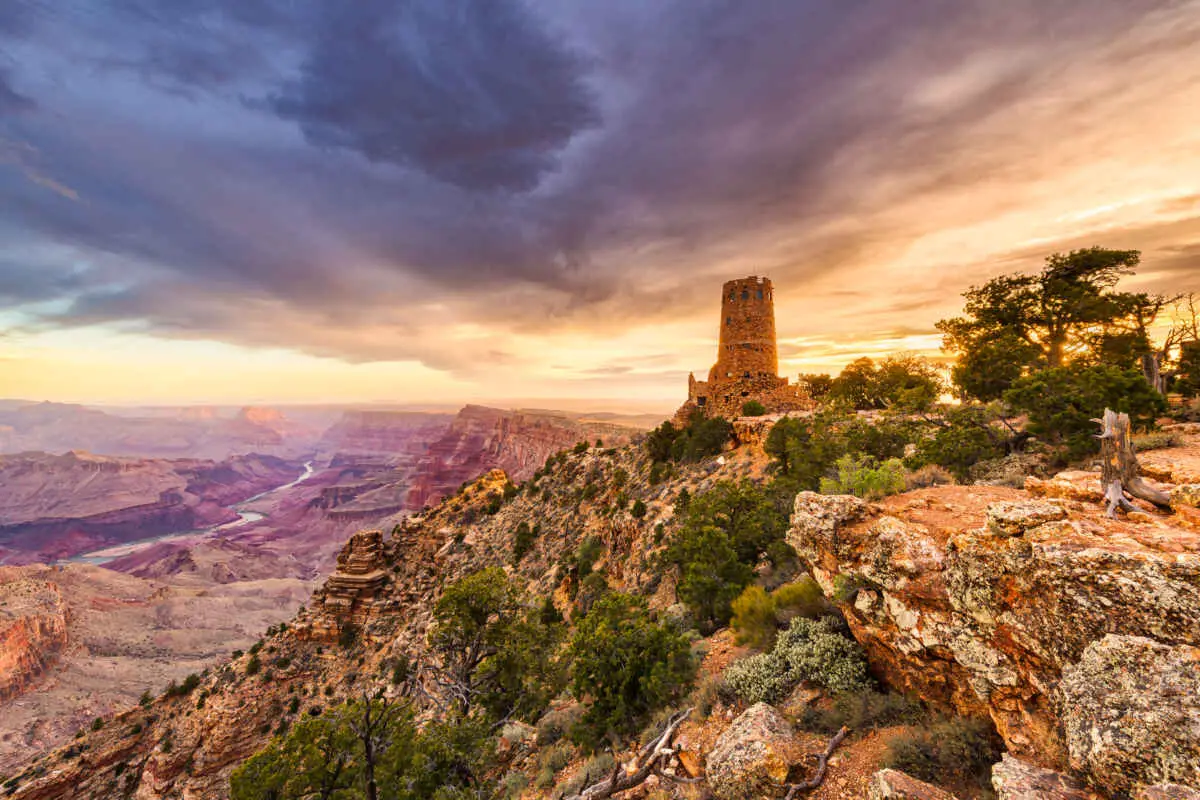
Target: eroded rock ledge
981, 598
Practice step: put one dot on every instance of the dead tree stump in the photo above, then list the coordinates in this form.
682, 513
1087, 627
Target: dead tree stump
1119, 467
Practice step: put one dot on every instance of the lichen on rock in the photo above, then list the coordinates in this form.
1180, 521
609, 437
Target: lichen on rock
751, 759
1131, 712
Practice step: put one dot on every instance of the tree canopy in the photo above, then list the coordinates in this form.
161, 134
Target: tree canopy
1070, 312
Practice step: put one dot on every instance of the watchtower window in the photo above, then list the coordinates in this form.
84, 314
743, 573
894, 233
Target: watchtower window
760, 294
745, 295
731, 295
729, 320
745, 374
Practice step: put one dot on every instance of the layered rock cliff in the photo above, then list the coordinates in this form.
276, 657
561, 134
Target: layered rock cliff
33, 631
996, 603
518, 442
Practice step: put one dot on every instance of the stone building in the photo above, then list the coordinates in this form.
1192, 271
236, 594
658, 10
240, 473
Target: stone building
747, 365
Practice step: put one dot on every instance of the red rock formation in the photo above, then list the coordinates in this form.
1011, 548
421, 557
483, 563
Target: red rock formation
33, 630
518, 442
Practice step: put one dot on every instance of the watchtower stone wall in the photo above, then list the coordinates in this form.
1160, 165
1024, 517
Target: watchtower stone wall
747, 366
747, 347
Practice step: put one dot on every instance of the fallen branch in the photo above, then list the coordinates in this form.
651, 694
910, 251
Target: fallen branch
794, 789
650, 759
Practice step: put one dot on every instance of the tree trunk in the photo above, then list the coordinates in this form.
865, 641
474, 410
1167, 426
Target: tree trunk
1152, 369
1119, 475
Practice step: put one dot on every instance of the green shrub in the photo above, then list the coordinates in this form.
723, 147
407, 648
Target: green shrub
347, 635
554, 725
956, 748
725, 533
1061, 403
754, 618
625, 666
860, 711
513, 785
596, 769
1159, 440
580, 447
587, 554
700, 438
801, 598
863, 477
809, 650
761, 678
753, 408
639, 509
712, 690
97, 724
928, 476
965, 437
523, 540
495, 643
253, 665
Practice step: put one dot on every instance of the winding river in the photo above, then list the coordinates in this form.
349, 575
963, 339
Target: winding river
104, 555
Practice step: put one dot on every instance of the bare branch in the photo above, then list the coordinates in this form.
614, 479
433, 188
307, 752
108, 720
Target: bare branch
650, 759
818, 777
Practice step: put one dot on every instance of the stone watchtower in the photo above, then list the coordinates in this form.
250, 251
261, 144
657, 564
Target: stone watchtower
747, 365
747, 349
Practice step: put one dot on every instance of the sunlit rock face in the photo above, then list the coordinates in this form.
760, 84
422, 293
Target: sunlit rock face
980, 600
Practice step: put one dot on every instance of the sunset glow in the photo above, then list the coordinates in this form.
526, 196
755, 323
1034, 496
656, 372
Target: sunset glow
231, 208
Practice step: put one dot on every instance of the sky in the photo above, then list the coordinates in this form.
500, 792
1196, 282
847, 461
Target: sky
412, 201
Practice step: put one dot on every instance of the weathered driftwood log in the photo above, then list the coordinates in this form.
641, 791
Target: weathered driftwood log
650, 762
794, 789
1119, 466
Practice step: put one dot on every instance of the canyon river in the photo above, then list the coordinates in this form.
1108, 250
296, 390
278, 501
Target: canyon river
106, 554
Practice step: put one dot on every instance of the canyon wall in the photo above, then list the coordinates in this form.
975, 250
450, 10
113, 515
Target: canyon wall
56, 506
33, 631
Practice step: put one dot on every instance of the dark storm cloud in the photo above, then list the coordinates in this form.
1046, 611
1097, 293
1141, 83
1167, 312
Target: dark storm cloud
474, 92
350, 178
11, 101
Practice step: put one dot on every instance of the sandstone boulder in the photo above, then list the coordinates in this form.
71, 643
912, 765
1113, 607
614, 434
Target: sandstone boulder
1014, 779
751, 759
888, 784
1014, 519
1131, 712
822, 515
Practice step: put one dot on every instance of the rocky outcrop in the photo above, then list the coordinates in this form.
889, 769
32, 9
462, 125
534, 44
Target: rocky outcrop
1131, 710
889, 784
1014, 779
752, 758
349, 593
977, 599
33, 631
